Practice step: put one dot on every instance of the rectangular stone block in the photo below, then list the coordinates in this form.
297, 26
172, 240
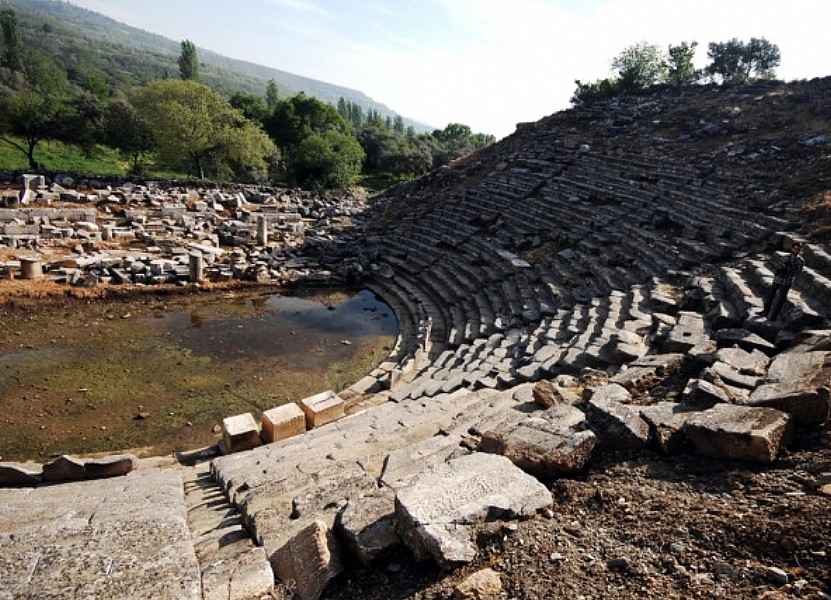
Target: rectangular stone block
322, 408
283, 422
240, 433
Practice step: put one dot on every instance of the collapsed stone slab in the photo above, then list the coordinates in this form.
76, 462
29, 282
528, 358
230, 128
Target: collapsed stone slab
798, 384
367, 525
617, 425
306, 563
666, 422
435, 512
739, 432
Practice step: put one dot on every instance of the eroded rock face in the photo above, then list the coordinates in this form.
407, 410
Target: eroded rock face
433, 513
367, 524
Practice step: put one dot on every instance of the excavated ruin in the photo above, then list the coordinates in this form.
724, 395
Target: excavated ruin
576, 299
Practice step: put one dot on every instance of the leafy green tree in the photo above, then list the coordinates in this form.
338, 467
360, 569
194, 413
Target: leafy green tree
639, 66
310, 133
272, 95
38, 109
252, 106
125, 130
12, 40
398, 124
330, 159
681, 69
735, 61
196, 129
597, 90
188, 62
763, 57
32, 116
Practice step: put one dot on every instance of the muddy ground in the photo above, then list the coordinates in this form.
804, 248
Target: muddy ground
101, 372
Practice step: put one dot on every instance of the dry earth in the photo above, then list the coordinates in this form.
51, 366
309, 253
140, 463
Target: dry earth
647, 526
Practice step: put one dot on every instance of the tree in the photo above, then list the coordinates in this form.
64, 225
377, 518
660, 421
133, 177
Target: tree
12, 40
32, 116
330, 159
188, 62
125, 130
640, 66
272, 95
39, 109
252, 106
763, 57
196, 129
735, 61
598, 90
681, 69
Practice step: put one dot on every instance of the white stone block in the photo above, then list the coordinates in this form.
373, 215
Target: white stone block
282, 422
240, 433
322, 408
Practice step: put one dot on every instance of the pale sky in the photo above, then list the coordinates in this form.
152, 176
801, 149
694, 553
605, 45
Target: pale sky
489, 64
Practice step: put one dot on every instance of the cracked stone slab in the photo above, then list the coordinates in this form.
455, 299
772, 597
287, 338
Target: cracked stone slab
118, 538
435, 512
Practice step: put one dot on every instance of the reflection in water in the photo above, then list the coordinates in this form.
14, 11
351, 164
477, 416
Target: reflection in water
281, 325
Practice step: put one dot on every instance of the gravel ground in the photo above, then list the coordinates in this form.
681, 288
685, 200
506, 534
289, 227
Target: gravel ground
640, 525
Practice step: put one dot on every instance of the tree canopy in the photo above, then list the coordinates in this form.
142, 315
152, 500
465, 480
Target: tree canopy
196, 129
736, 61
188, 62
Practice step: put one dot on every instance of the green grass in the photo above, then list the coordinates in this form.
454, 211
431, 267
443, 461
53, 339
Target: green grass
57, 156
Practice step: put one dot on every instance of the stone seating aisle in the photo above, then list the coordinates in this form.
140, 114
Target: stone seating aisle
120, 538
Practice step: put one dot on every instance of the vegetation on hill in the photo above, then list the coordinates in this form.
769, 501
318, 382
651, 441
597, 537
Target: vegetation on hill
643, 65
59, 85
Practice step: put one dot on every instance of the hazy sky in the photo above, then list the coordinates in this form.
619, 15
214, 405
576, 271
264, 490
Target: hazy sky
486, 63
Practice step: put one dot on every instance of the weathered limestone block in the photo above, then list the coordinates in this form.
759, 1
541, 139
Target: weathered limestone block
306, 563
401, 467
434, 512
111, 466
240, 433
666, 425
12, 474
702, 393
549, 393
798, 384
647, 369
728, 374
753, 363
808, 406
617, 425
541, 447
739, 432
687, 333
283, 422
367, 525
322, 408
744, 339
624, 347
64, 468
564, 416
247, 577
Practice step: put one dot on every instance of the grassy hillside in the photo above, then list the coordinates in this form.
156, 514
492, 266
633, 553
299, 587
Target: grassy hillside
82, 39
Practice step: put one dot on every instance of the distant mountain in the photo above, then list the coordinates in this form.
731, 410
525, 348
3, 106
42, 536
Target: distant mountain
80, 38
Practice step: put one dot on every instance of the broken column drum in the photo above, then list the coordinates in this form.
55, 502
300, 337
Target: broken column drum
31, 268
197, 268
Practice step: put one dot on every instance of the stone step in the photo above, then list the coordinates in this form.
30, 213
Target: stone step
123, 537
232, 566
